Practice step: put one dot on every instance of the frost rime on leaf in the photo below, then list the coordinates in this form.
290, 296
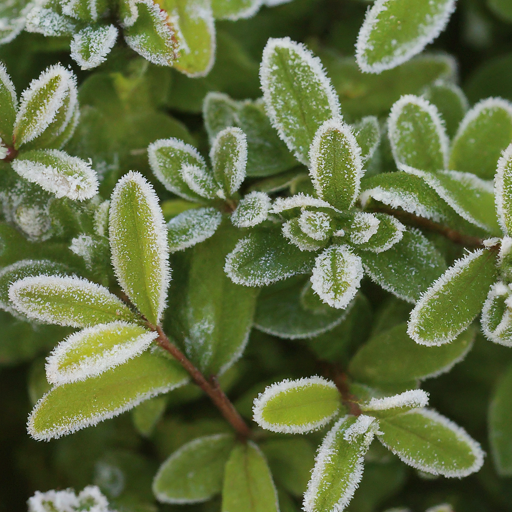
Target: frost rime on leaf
412, 398
503, 190
251, 210
89, 498
90, 46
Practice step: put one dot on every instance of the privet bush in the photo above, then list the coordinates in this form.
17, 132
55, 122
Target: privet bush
290, 261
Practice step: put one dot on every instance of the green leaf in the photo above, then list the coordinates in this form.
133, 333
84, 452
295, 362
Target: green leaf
337, 276
298, 95
212, 316
248, 485
58, 173
71, 407
251, 210
430, 442
503, 8
290, 461
292, 230
13, 19
147, 415
265, 257
483, 134
152, 34
496, 318
392, 32
235, 10
67, 301
339, 464
94, 350
417, 134
195, 472
290, 310
266, 153
86, 10
389, 232
229, 159
196, 35
450, 101
192, 227
367, 134
336, 165
503, 190
297, 406
500, 423
408, 268
90, 46
138, 241
410, 361
8, 105
167, 158
450, 305
389, 406
42, 104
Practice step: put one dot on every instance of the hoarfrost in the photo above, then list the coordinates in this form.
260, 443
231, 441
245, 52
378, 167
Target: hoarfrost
251, 210
503, 189
6, 81
90, 46
502, 332
363, 227
412, 398
200, 181
48, 22
316, 225
361, 426
90, 499
300, 200
285, 387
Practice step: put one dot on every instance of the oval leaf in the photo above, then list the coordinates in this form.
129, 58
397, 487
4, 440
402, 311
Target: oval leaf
503, 190
8, 105
90, 46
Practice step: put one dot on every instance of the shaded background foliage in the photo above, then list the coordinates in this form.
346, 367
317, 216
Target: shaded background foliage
127, 104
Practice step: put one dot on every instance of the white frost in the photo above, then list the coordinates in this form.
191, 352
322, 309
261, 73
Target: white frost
90, 499
200, 181
499, 334
6, 82
300, 200
412, 398
90, 47
363, 227
251, 210
502, 192
284, 387
316, 225
361, 426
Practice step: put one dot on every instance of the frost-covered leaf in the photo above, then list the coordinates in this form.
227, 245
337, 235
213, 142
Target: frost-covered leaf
496, 315
196, 37
251, 210
235, 9
20, 270
90, 498
450, 101
90, 46
410, 361
397, 404
94, 350
212, 316
291, 310
432, 443
389, 232
393, 31
483, 134
153, 33
292, 231
266, 153
297, 406
503, 190
192, 227
417, 134
71, 407
317, 225
58, 173
500, 425
85, 10
138, 241
167, 158
47, 99
339, 464
67, 301
8, 105
408, 268
337, 275
367, 134
12, 16
336, 166
298, 95
47, 18
294, 205
363, 226
201, 181
229, 159
265, 257
195, 472
248, 484
454, 300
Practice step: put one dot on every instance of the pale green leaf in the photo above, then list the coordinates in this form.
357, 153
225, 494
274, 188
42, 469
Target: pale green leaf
483, 134
90, 46
389, 406
248, 484
265, 257
503, 190
336, 165
195, 472
94, 350
367, 134
496, 315
298, 95
201, 181
138, 241
67, 301
85, 10
391, 356
13, 18
430, 442
389, 232
292, 230
146, 416
450, 305
235, 9
251, 210
8, 105
339, 464
393, 31
297, 406
417, 134
71, 407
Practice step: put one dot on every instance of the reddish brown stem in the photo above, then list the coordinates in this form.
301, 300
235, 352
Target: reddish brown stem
212, 388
